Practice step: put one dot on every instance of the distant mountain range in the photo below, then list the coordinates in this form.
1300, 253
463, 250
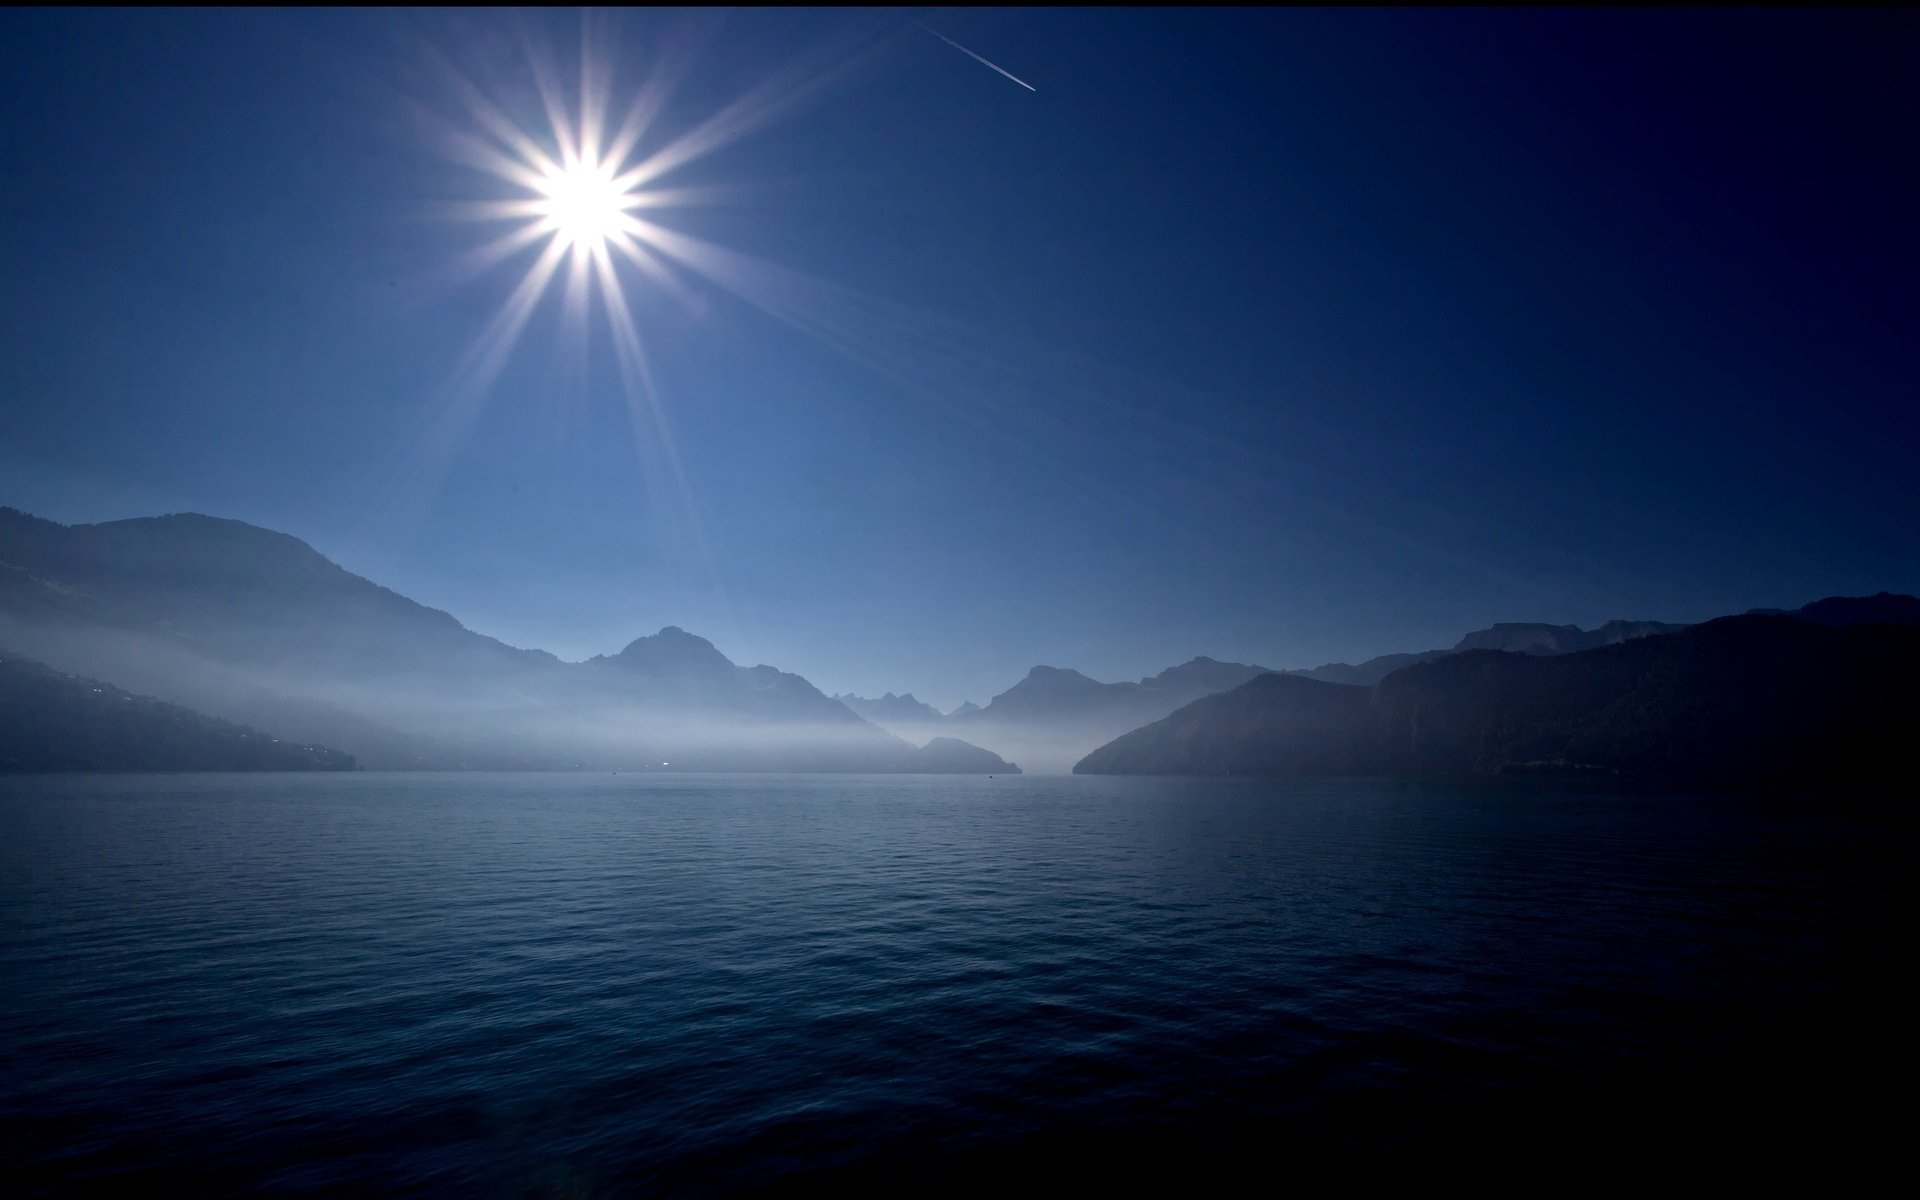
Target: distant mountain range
51, 721
1518, 637
1051, 718
1826, 696
243, 623
217, 622
890, 710
1056, 716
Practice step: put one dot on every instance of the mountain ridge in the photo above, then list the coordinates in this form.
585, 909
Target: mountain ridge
53, 721
891, 708
1742, 701
232, 619
238, 622
1526, 637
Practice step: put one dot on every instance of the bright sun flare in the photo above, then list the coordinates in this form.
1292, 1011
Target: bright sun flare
581, 183
583, 204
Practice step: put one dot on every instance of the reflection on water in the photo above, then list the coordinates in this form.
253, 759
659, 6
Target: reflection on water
596, 984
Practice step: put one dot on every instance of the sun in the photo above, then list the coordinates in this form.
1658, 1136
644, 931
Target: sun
584, 178
581, 204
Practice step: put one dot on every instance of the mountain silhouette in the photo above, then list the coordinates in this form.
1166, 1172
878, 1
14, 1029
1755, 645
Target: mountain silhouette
1752, 701
1055, 715
248, 624
686, 670
1517, 636
945, 755
1883, 608
52, 721
890, 710
671, 653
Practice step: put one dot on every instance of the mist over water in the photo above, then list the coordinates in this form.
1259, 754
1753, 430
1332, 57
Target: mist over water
599, 984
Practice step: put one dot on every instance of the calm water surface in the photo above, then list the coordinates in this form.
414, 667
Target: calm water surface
606, 985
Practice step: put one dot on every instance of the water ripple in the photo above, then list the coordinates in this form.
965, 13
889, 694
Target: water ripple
581, 985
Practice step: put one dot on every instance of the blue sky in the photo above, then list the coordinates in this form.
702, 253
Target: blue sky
1276, 336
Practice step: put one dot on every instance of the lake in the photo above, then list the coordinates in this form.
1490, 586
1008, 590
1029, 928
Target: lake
586, 985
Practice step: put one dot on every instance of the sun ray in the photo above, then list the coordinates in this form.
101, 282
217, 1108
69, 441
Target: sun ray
586, 191
593, 99
582, 179
779, 94
571, 158
650, 264
670, 63
559, 121
477, 152
526, 158
490, 351
640, 116
490, 254
406, 499
647, 417
487, 210
984, 384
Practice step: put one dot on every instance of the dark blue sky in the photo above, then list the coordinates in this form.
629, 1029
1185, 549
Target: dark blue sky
1276, 336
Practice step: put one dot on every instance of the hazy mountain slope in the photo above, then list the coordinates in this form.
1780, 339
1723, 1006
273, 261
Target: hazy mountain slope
677, 667
1534, 638
1518, 636
901, 715
152, 664
1051, 718
52, 721
951, 756
251, 624
1745, 701
242, 594
1274, 725
688, 704
889, 710
1370, 672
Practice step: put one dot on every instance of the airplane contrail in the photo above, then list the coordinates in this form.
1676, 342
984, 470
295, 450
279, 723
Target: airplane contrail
983, 62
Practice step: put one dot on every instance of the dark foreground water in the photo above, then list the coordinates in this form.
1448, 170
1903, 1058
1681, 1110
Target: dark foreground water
605, 985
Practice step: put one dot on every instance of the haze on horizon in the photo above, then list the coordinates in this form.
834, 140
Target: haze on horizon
1280, 337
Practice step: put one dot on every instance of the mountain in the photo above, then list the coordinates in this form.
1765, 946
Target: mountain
239, 593
890, 710
1370, 672
1530, 638
1273, 725
1050, 693
1883, 608
674, 667
1055, 715
951, 756
252, 625
247, 624
1750, 701
673, 654
686, 703
966, 706
1525, 638
1520, 637
51, 721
